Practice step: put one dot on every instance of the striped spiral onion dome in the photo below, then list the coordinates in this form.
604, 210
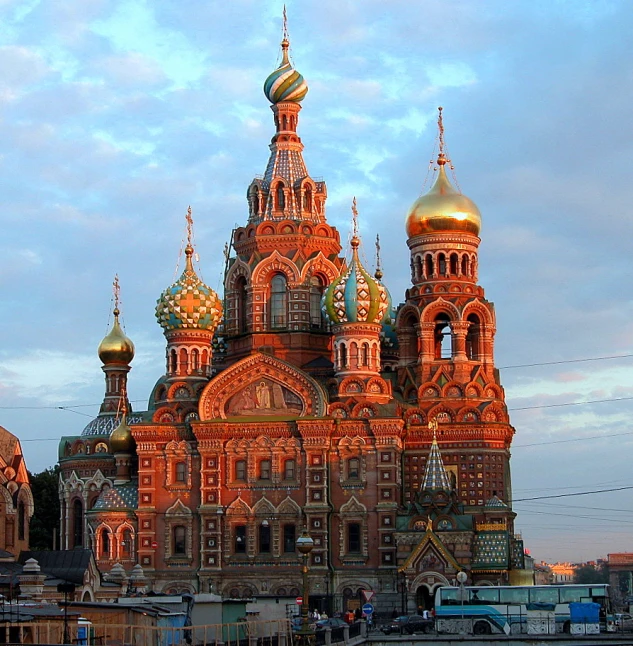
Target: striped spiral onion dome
285, 83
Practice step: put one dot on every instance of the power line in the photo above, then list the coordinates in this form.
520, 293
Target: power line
567, 495
592, 401
558, 363
575, 439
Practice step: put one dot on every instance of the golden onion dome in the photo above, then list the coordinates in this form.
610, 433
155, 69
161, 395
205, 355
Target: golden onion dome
443, 209
121, 440
116, 347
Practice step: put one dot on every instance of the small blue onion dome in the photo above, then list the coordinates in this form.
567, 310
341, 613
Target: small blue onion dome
189, 303
355, 296
285, 83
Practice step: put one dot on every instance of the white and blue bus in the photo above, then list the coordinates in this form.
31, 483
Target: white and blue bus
485, 610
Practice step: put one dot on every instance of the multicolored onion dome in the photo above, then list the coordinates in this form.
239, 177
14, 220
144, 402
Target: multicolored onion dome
443, 209
189, 303
121, 440
116, 347
355, 296
285, 83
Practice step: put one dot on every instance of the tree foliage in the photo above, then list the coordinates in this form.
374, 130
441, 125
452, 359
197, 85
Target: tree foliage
592, 574
45, 520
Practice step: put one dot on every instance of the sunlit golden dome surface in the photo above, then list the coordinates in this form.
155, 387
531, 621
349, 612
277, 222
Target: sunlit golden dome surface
116, 347
121, 440
443, 209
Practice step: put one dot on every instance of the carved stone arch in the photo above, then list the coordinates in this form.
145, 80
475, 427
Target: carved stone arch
365, 409
302, 395
429, 390
376, 386
264, 442
443, 414
319, 265
275, 264
473, 389
439, 306
475, 306
356, 585
353, 507
238, 508
178, 509
25, 496
351, 443
421, 580
493, 413
493, 391
165, 415
8, 499
239, 445
323, 231
415, 417
239, 269
405, 314
338, 410
177, 587
250, 231
266, 229
352, 385
286, 227
74, 483
288, 507
452, 389
468, 414
263, 507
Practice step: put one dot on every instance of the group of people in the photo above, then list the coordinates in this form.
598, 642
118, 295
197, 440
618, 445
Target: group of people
315, 615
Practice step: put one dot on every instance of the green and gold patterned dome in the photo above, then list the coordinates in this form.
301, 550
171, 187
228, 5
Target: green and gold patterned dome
355, 296
116, 347
285, 83
189, 303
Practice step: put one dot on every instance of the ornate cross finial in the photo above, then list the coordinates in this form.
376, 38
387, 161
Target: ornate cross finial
123, 401
189, 219
378, 273
433, 426
285, 32
354, 218
116, 291
227, 252
441, 157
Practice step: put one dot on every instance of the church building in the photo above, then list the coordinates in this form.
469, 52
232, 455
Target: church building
302, 399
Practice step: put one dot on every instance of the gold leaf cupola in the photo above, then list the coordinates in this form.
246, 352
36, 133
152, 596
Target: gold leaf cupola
443, 208
116, 347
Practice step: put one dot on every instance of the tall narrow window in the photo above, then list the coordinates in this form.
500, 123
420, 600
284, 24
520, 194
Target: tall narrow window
364, 355
428, 263
307, 199
289, 538
180, 539
289, 470
353, 538
353, 469
278, 301
78, 524
240, 470
105, 543
454, 264
240, 539
180, 472
442, 264
316, 293
443, 339
126, 543
264, 538
264, 470
21, 521
240, 287
473, 338
280, 198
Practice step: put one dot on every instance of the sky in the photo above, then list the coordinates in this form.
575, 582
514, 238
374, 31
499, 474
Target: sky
116, 115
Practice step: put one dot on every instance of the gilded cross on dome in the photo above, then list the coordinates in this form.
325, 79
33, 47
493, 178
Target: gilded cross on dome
189, 219
433, 425
116, 290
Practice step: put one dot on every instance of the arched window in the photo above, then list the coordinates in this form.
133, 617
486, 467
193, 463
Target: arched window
78, 524
278, 301
353, 538
126, 543
428, 263
343, 355
473, 338
280, 198
316, 294
195, 360
289, 538
454, 264
289, 469
240, 287
442, 264
443, 339
180, 472
255, 202
240, 539
240, 470
184, 362
105, 543
307, 199
21, 521
179, 534
353, 469
464, 265
173, 361
364, 355
264, 537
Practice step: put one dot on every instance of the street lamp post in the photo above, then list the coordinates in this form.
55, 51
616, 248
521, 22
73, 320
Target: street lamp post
461, 579
305, 545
